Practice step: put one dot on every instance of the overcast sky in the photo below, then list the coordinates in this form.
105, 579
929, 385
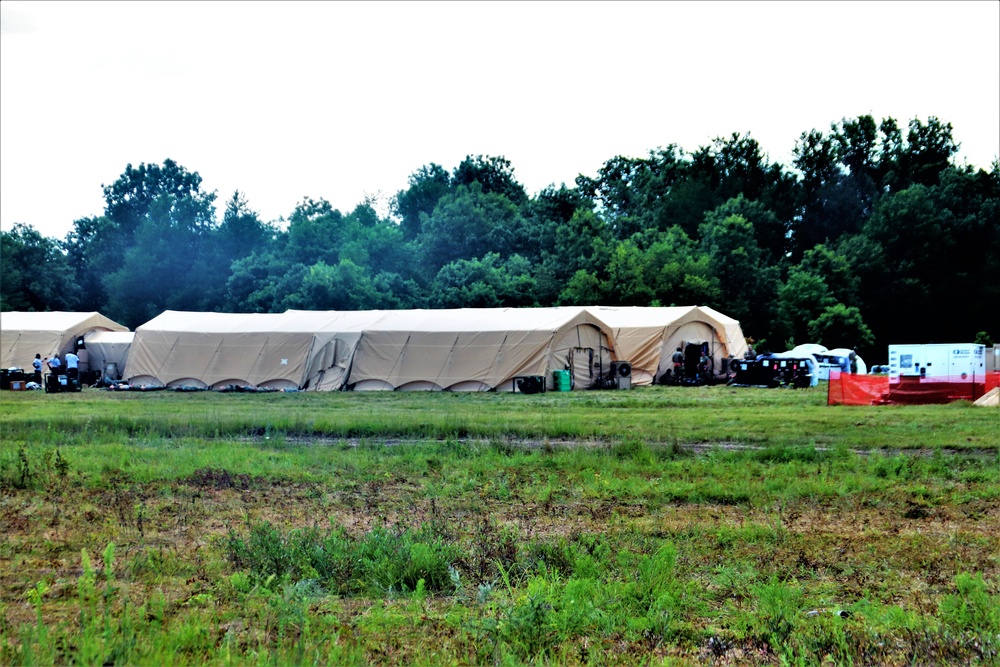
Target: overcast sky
342, 100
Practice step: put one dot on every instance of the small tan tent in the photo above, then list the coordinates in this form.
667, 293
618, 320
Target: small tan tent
480, 349
23, 335
648, 337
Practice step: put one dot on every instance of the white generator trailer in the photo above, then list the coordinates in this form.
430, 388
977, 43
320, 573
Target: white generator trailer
938, 362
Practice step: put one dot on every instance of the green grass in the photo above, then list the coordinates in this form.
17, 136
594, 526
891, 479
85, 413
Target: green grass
661, 525
706, 415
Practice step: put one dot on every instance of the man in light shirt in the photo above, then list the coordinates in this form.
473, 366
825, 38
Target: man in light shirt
72, 366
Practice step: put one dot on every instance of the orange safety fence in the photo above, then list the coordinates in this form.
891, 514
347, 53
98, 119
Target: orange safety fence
849, 389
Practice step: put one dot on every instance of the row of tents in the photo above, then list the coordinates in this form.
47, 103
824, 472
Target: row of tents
468, 349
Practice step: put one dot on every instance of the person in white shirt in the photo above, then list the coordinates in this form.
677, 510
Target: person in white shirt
56, 365
72, 366
37, 365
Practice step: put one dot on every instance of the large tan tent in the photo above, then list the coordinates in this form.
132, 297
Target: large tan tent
214, 350
480, 349
23, 335
648, 337
470, 349
296, 349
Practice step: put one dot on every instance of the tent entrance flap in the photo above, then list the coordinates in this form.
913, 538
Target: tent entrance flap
581, 365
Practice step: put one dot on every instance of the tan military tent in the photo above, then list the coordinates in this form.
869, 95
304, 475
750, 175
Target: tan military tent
296, 349
335, 336
648, 337
214, 350
23, 335
480, 349
469, 349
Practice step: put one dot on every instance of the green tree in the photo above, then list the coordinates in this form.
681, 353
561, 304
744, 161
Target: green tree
626, 284
485, 283
426, 187
747, 282
583, 289
768, 230
167, 266
616, 193
151, 248
36, 273
316, 231
467, 223
494, 174
677, 271
344, 286
901, 276
801, 299
241, 233
90, 259
834, 269
260, 282
841, 326
929, 150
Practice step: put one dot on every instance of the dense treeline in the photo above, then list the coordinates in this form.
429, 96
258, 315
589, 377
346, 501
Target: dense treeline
873, 235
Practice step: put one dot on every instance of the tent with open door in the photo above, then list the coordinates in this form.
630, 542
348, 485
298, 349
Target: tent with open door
107, 351
336, 334
480, 349
23, 335
648, 337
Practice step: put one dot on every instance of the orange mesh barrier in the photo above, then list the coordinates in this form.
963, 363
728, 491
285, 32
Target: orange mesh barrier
848, 389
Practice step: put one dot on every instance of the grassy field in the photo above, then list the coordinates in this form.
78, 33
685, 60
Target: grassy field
662, 525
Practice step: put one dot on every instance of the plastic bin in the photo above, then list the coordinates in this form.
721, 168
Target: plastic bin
561, 381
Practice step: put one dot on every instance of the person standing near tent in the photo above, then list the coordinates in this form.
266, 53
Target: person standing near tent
37, 365
704, 368
853, 359
678, 360
55, 365
72, 366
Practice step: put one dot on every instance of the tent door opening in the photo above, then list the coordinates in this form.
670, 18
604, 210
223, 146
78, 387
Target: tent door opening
692, 355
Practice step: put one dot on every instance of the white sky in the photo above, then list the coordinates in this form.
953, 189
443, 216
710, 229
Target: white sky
338, 100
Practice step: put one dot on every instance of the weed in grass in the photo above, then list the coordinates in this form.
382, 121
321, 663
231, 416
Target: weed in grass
633, 450
24, 473
381, 561
778, 605
973, 609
